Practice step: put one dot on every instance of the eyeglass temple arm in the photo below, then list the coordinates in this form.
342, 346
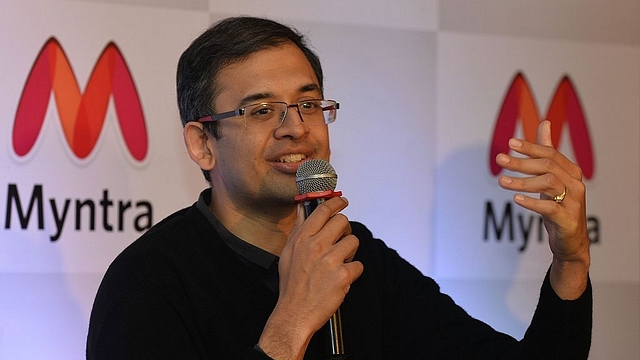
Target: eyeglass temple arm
224, 115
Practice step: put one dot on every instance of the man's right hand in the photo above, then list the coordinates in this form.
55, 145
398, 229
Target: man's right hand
316, 271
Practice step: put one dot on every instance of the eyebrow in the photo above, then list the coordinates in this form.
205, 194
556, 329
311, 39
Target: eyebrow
257, 97
310, 87
250, 99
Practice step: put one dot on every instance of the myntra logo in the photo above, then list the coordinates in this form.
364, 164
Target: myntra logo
565, 109
81, 115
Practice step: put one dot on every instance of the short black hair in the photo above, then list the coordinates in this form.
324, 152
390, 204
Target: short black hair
227, 42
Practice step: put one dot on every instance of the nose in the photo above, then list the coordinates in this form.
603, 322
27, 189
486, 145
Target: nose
297, 107
293, 125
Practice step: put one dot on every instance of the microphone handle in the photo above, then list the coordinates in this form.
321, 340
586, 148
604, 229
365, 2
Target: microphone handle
335, 321
335, 330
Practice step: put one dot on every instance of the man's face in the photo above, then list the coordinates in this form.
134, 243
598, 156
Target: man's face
256, 167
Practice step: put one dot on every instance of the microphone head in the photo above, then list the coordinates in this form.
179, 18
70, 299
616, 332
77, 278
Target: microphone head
316, 175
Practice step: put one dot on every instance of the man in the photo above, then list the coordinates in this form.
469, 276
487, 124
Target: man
241, 274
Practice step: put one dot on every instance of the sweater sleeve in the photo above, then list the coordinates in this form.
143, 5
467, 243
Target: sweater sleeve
423, 322
560, 328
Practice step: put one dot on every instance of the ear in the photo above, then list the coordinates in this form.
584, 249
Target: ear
199, 147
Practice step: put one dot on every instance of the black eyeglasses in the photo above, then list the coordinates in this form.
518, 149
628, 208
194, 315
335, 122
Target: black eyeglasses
272, 114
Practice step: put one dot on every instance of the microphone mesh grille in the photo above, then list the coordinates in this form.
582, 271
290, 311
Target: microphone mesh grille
316, 175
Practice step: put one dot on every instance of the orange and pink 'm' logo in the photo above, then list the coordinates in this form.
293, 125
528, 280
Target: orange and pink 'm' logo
565, 109
82, 116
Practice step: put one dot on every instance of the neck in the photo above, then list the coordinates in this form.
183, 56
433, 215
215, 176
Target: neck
265, 227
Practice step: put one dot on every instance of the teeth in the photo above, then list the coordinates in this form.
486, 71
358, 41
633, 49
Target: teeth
291, 158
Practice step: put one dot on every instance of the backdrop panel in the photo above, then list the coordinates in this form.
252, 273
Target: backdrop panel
470, 96
67, 213
591, 20
489, 263
420, 83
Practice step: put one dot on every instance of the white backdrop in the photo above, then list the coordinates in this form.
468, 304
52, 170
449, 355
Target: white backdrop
420, 85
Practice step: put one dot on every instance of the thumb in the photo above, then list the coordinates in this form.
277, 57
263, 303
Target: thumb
544, 138
544, 134
301, 216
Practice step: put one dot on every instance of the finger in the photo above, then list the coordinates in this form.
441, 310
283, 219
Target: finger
338, 224
334, 231
355, 269
544, 138
322, 213
316, 234
545, 173
345, 249
301, 216
347, 274
546, 208
547, 158
536, 151
544, 134
547, 184
330, 207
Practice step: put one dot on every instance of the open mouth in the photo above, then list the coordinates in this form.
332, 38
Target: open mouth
292, 158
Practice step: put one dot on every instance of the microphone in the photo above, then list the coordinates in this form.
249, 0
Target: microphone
316, 180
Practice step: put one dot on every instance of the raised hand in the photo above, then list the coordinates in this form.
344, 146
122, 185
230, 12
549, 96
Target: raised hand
561, 204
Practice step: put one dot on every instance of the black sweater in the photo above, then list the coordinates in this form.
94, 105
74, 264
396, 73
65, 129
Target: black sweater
179, 292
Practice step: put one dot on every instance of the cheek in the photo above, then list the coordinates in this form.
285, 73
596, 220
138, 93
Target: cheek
322, 142
245, 148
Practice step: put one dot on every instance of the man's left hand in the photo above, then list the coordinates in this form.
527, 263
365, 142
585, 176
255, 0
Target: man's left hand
561, 204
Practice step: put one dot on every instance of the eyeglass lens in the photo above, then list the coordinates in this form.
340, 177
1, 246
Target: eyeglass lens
273, 114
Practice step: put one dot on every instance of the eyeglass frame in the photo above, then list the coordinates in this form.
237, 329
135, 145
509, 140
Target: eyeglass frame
242, 111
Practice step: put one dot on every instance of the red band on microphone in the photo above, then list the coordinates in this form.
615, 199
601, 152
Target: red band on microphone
318, 195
